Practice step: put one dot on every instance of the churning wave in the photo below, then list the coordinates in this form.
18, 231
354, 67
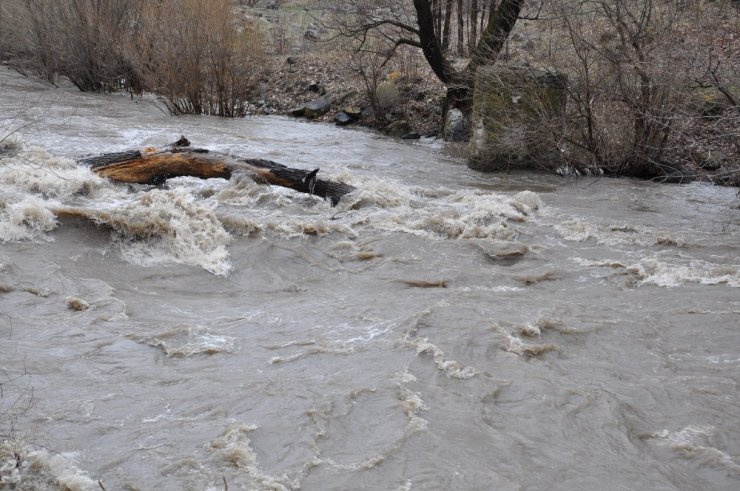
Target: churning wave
192, 222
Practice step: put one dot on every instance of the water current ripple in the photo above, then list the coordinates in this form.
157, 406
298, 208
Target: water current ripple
439, 329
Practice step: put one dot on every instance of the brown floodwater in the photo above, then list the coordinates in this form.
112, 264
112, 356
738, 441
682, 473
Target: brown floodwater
438, 329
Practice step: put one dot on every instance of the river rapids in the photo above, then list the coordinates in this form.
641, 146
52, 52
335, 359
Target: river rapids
438, 329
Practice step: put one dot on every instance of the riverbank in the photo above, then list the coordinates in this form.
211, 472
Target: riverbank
677, 121
290, 81
696, 126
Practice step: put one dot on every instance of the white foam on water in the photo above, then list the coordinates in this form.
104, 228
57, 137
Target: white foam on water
530, 199
167, 226
451, 368
301, 227
405, 486
235, 448
608, 263
77, 304
394, 207
184, 341
36, 172
661, 273
243, 191
376, 205
412, 406
22, 467
411, 402
33, 183
404, 377
669, 272
180, 224
152, 227
695, 442
28, 219
360, 336
618, 234
516, 345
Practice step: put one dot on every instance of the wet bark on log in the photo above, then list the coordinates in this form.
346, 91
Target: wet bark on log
155, 166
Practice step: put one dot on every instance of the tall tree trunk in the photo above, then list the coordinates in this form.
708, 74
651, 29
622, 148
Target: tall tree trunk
494, 36
492, 39
431, 46
473, 22
460, 29
438, 17
446, 33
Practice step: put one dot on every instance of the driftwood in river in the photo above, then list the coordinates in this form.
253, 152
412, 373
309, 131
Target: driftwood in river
155, 166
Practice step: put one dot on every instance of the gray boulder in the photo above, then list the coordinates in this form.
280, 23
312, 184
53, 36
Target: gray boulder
312, 35
317, 108
343, 119
455, 129
510, 106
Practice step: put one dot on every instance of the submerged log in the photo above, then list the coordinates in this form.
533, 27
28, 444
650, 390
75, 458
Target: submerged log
155, 166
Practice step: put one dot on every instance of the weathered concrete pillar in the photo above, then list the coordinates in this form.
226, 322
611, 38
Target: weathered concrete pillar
517, 115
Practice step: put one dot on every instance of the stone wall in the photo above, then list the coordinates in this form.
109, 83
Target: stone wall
517, 116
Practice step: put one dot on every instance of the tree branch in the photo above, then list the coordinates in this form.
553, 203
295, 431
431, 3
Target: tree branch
430, 44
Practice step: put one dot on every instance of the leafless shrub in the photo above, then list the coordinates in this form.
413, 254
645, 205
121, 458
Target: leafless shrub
80, 39
198, 58
635, 68
192, 52
369, 64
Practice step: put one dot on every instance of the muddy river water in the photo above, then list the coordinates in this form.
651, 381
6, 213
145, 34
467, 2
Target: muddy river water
438, 329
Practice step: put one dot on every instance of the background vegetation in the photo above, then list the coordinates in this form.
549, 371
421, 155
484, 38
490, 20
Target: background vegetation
194, 53
653, 85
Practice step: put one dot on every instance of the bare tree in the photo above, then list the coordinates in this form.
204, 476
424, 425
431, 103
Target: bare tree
418, 24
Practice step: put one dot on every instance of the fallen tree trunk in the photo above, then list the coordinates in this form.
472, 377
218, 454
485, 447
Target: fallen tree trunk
155, 166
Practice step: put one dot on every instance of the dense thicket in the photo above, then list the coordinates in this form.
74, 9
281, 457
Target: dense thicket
195, 54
